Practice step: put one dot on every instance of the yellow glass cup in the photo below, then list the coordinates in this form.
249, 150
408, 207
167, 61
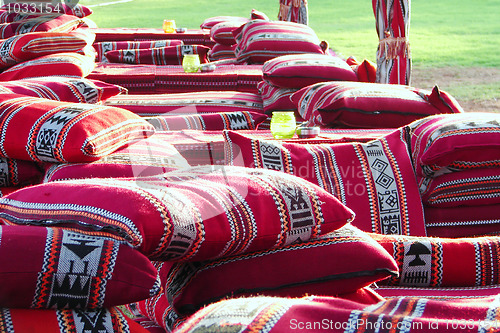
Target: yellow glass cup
283, 124
169, 26
191, 63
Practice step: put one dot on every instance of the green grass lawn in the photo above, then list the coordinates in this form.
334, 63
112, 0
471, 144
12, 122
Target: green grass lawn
445, 33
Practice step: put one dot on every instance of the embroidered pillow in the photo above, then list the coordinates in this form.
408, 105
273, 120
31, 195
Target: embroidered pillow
260, 40
276, 98
462, 221
447, 143
168, 55
208, 23
370, 105
103, 47
469, 187
337, 263
191, 214
147, 157
18, 173
331, 314
222, 33
221, 52
301, 70
61, 88
60, 64
68, 320
258, 15
53, 268
40, 23
38, 129
240, 120
443, 262
32, 45
188, 103
374, 179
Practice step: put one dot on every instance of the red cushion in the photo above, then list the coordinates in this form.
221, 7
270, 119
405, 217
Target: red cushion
222, 32
190, 214
43, 130
330, 314
334, 264
370, 105
209, 22
240, 120
41, 23
18, 173
374, 179
62, 64
48, 268
301, 70
261, 40
366, 71
65, 89
168, 55
258, 15
221, 52
276, 98
469, 187
443, 262
462, 221
194, 102
36, 44
147, 157
447, 143
103, 47
68, 320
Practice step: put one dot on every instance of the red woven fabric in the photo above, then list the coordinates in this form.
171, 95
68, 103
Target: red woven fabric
319, 314
462, 221
40, 23
222, 32
42, 130
261, 40
443, 262
167, 55
39, 264
221, 52
354, 261
62, 64
239, 120
190, 37
103, 47
36, 44
370, 105
18, 173
276, 98
147, 157
49, 321
191, 214
374, 179
210, 22
64, 89
188, 103
448, 143
442, 294
150, 79
473, 187
298, 71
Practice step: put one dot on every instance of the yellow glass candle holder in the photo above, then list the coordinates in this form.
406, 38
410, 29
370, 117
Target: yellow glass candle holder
191, 63
283, 124
169, 26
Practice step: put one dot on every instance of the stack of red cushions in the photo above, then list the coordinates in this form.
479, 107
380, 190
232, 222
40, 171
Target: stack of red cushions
456, 158
285, 75
207, 223
370, 105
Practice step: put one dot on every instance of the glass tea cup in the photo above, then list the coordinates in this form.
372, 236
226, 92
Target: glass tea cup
191, 63
283, 124
169, 26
